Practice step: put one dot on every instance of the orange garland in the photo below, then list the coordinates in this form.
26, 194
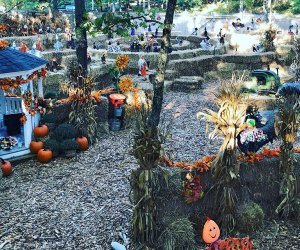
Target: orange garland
204, 165
94, 95
7, 83
199, 165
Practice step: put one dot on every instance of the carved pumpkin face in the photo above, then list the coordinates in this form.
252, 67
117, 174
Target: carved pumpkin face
211, 231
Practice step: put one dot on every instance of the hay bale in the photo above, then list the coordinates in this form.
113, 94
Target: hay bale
225, 67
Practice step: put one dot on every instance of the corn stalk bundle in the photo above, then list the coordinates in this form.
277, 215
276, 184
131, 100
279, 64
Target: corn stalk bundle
147, 147
227, 122
286, 127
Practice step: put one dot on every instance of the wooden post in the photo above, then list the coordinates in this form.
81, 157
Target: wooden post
2, 102
31, 88
40, 88
27, 126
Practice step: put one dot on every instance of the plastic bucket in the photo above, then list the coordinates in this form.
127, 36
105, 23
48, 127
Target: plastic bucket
118, 112
115, 125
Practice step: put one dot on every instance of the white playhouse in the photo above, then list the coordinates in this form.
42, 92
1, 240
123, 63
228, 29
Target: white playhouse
18, 112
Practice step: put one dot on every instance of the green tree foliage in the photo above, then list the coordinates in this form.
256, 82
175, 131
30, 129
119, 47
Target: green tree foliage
295, 6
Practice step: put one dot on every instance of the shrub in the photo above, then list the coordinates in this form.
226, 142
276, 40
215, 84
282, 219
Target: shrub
50, 95
65, 131
69, 144
178, 235
249, 217
52, 144
49, 118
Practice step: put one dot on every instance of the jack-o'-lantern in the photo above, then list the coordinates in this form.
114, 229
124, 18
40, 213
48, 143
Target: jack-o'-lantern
211, 231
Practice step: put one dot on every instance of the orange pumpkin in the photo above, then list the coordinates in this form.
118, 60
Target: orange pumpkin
83, 143
211, 231
41, 131
35, 146
6, 167
44, 155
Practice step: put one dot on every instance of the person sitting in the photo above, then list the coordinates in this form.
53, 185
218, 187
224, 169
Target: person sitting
222, 40
141, 62
23, 47
290, 30
180, 42
170, 49
53, 65
132, 32
205, 33
205, 44
110, 48
89, 59
103, 58
195, 32
39, 45
142, 38
58, 45
254, 48
117, 48
237, 25
136, 46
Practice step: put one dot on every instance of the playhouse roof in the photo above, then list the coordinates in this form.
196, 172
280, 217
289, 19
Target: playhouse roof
15, 63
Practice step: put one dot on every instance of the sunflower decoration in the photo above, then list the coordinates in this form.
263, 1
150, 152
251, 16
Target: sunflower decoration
3, 44
126, 84
122, 62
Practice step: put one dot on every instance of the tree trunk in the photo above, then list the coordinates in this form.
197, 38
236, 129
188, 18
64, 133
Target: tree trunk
81, 43
158, 83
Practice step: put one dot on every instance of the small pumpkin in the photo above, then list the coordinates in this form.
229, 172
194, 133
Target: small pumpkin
44, 155
35, 146
83, 143
41, 131
6, 167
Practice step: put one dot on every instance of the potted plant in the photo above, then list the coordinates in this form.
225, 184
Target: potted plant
69, 147
54, 145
